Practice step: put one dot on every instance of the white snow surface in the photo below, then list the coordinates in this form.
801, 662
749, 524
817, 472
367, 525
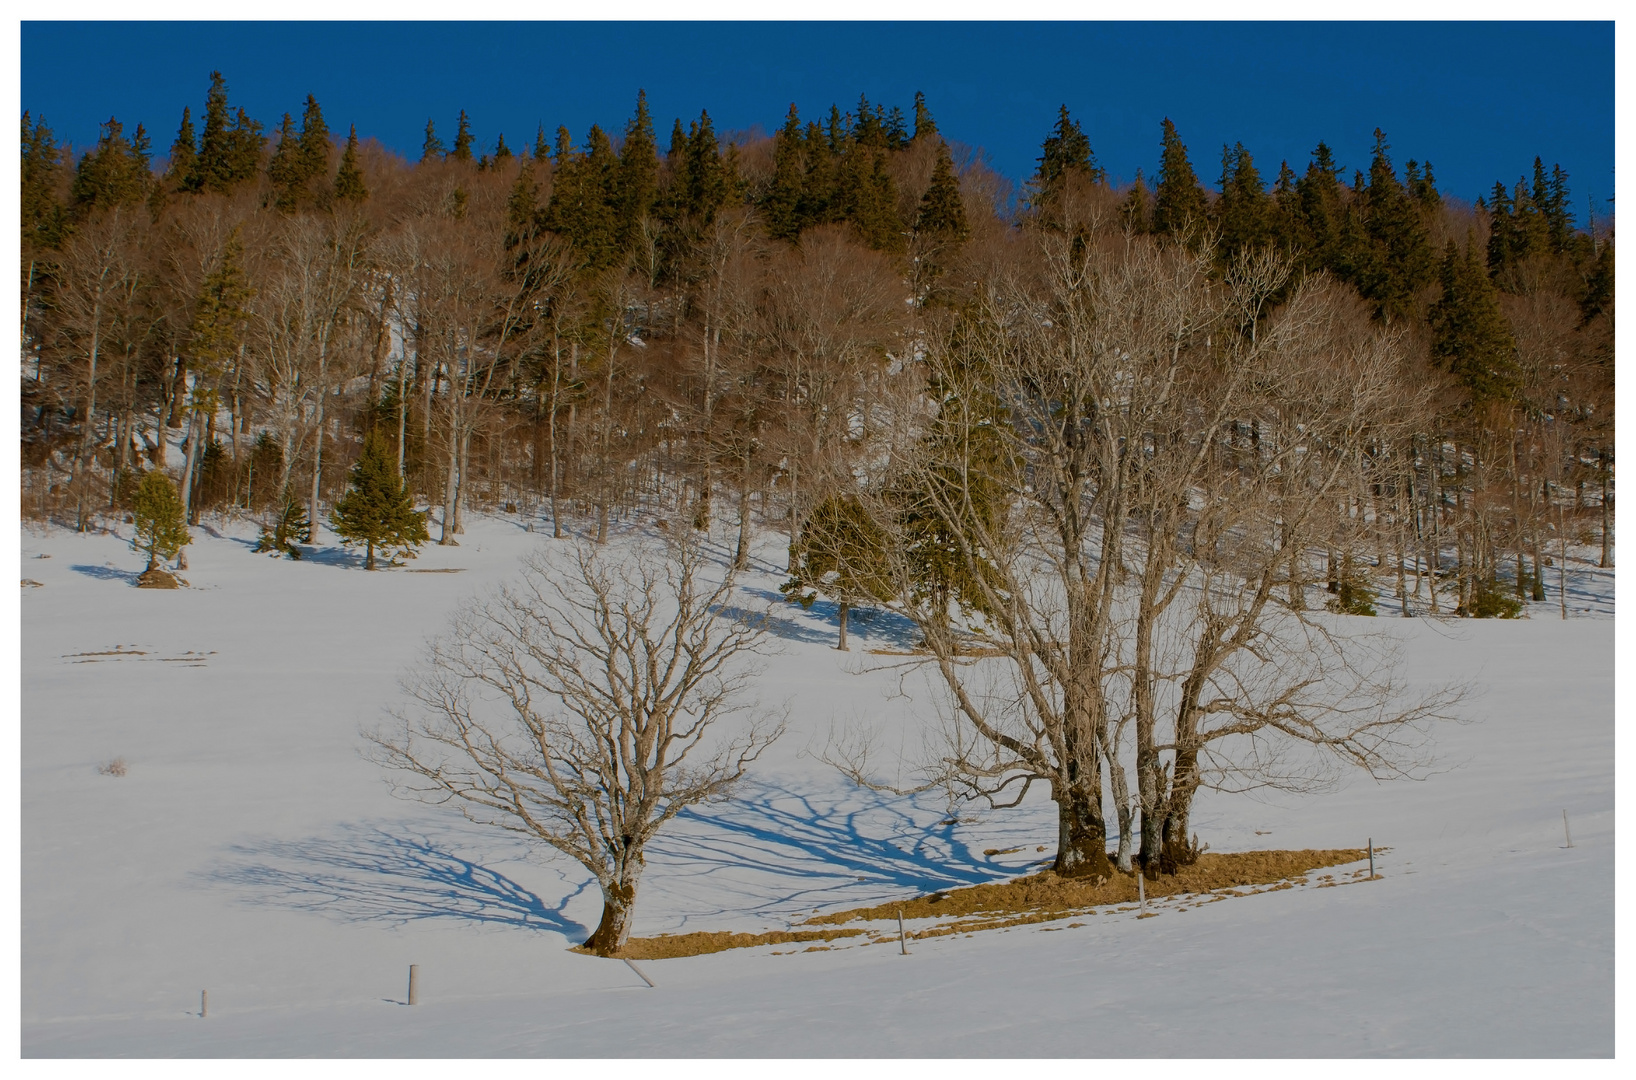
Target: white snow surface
252, 851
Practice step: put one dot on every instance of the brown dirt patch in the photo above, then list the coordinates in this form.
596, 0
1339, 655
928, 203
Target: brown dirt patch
1044, 896
157, 579
708, 941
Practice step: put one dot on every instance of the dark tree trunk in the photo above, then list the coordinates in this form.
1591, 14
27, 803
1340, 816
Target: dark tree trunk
845, 607
1082, 834
618, 903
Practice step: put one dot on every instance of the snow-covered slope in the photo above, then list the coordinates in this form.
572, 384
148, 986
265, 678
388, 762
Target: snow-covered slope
251, 851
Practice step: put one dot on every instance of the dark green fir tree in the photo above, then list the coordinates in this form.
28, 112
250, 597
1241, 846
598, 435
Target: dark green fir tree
432, 148
160, 529
942, 214
378, 511
349, 179
1470, 335
1179, 206
463, 139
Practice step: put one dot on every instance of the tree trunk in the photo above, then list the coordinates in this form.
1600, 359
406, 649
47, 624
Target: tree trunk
845, 607
1607, 513
741, 556
446, 537
317, 466
1082, 833
618, 904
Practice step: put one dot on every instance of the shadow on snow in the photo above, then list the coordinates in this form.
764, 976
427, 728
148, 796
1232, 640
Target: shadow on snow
391, 874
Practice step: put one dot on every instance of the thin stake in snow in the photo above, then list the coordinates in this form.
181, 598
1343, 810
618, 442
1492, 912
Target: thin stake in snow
204, 1003
414, 984
1371, 858
903, 939
640, 973
1141, 891
1565, 833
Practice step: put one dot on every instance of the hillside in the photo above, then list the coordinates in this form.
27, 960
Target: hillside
250, 850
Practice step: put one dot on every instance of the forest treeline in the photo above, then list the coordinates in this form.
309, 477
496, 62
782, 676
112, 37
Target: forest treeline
744, 329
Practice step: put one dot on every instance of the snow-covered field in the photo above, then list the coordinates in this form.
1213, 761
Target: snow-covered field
251, 851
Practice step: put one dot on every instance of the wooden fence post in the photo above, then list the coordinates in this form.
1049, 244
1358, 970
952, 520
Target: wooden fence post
414, 984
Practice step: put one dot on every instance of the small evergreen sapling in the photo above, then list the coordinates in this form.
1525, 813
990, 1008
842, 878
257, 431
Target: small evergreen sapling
156, 509
289, 527
377, 510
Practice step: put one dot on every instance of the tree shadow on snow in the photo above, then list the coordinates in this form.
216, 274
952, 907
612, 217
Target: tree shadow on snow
801, 849
391, 875
820, 624
106, 573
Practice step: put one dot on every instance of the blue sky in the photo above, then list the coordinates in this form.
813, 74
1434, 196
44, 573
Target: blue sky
1480, 100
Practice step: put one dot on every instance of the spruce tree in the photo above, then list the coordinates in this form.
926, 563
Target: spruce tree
841, 554
182, 173
704, 184
1470, 335
1179, 203
378, 510
114, 173
213, 165
156, 509
1136, 209
1066, 150
44, 220
542, 149
349, 180
432, 148
942, 213
284, 170
1244, 213
925, 126
288, 528
1401, 260
638, 180
463, 140
314, 146
1323, 213
781, 206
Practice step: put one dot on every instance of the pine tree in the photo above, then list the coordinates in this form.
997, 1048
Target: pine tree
582, 206
1136, 209
1244, 213
1179, 205
1066, 150
781, 206
289, 527
114, 173
463, 140
925, 126
818, 185
230, 147
378, 510
182, 174
44, 219
841, 554
1323, 213
314, 146
942, 212
284, 170
432, 148
542, 149
704, 183
1470, 335
1401, 258
156, 509
638, 180
213, 168
349, 180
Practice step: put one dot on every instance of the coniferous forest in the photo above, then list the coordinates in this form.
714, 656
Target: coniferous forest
853, 331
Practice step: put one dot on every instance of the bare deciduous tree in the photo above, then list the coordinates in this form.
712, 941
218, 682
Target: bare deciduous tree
582, 708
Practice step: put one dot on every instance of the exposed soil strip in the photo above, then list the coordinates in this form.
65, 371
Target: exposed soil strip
1035, 898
